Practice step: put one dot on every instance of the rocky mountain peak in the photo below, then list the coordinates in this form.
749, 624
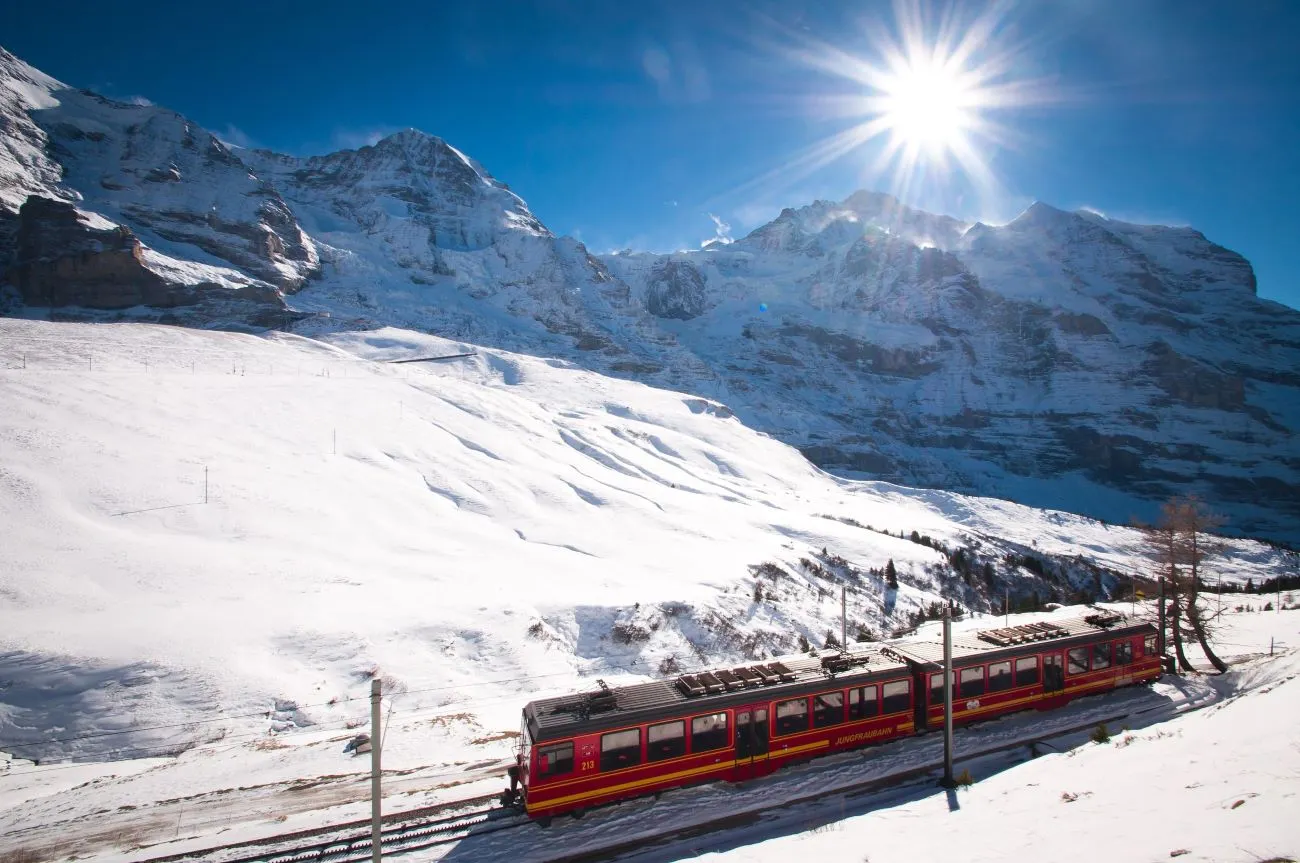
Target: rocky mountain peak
26, 83
824, 225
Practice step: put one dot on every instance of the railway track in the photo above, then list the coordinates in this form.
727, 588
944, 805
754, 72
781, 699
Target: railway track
398, 839
402, 832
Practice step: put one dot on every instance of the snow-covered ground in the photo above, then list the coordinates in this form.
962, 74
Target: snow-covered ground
1219, 784
475, 532
1189, 750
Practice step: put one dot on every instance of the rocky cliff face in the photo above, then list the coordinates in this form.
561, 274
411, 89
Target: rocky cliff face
1064, 360
64, 257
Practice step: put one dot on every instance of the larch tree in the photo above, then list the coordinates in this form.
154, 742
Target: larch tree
1179, 544
1192, 523
1163, 548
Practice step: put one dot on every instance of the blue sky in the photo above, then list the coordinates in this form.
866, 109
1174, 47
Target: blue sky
629, 124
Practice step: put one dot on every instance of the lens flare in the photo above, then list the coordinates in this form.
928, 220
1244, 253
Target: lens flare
921, 97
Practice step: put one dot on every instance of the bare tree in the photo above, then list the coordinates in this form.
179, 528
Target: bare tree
1163, 547
1192, 522
1179, 544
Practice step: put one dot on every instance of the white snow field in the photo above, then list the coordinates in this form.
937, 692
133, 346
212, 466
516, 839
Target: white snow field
475, 532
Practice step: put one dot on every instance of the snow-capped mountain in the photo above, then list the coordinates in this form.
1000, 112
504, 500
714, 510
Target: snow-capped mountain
1063, 359
1055, 360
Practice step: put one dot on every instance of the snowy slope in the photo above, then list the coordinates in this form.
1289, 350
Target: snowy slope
1062, 360
352, 503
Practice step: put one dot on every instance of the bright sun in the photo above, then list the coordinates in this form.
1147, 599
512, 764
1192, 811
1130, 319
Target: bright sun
923, 96
926, 106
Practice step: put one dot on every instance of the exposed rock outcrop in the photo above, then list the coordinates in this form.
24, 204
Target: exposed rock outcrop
675, 290
60, 259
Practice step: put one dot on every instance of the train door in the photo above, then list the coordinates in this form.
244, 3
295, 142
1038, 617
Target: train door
751, 741
1053, 674
920, 704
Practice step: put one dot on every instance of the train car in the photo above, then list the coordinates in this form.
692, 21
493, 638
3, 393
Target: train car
738, 723
585, 750
1040, 665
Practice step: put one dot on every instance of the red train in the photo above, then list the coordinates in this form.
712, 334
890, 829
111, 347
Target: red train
598, 747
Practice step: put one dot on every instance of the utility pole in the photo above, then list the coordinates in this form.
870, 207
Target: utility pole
205, 483
947, 700
1006, 608
376, 852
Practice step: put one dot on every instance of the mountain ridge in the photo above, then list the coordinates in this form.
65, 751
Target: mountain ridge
1061, 359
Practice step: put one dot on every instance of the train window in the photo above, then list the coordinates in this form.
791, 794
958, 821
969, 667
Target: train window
554, 759
936, 687
1101, 656
1078, 663
972, 682
863, 703
999, 676
1027, 671
896, 696
828, 709
792, 716
1149, 646
710, 732
667, 740
620, 749
1123, 652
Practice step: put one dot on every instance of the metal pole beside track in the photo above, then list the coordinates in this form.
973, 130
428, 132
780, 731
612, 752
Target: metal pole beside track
947, 699
844, 618
376, 852
1160, 631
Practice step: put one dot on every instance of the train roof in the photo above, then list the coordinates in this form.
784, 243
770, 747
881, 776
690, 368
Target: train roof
715, 689
706, 691
992, 643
